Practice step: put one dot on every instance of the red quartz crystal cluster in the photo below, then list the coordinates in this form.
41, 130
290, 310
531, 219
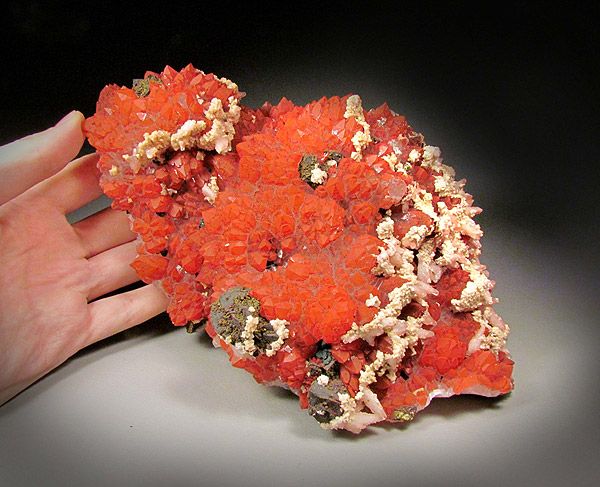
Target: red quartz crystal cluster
326, 247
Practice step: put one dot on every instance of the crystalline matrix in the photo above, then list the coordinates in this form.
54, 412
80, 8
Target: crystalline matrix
325, 247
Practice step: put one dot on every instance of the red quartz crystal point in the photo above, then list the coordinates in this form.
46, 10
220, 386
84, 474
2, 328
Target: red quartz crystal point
328, 249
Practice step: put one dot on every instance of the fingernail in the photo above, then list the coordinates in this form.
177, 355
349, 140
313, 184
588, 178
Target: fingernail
66, 118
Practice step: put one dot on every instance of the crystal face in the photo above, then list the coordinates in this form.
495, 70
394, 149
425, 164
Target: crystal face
327, 247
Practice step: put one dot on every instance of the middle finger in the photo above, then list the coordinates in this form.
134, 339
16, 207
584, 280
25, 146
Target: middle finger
103, 231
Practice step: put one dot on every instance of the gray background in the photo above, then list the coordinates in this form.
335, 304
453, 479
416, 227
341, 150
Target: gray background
507, 94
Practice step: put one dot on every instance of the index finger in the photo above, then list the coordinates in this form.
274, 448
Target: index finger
27, 161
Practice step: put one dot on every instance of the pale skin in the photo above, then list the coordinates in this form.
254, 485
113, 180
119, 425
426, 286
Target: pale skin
54, 274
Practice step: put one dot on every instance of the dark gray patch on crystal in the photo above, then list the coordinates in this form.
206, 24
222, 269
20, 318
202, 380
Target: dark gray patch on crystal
141, 87
310, 162
307, 164
229, 314
333, 155
323, 401
264, 335
323, 362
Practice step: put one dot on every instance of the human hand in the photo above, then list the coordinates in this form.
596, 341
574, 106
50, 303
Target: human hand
53, 272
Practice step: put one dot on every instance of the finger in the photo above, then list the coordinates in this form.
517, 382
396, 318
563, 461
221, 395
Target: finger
74, 186
103, 230
29, 160
110, 270
117, 313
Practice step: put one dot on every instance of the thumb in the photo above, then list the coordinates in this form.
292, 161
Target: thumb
29, 160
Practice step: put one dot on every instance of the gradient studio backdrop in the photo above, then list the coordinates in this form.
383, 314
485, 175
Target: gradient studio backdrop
509, 95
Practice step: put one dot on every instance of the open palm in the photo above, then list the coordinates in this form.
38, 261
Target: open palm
52, 271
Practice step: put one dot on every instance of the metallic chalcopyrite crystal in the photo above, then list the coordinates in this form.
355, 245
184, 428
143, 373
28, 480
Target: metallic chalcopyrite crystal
326, 248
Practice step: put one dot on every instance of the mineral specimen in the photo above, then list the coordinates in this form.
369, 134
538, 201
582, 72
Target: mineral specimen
330, 251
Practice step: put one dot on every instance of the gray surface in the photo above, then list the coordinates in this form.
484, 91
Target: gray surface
156, 405
89, 209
